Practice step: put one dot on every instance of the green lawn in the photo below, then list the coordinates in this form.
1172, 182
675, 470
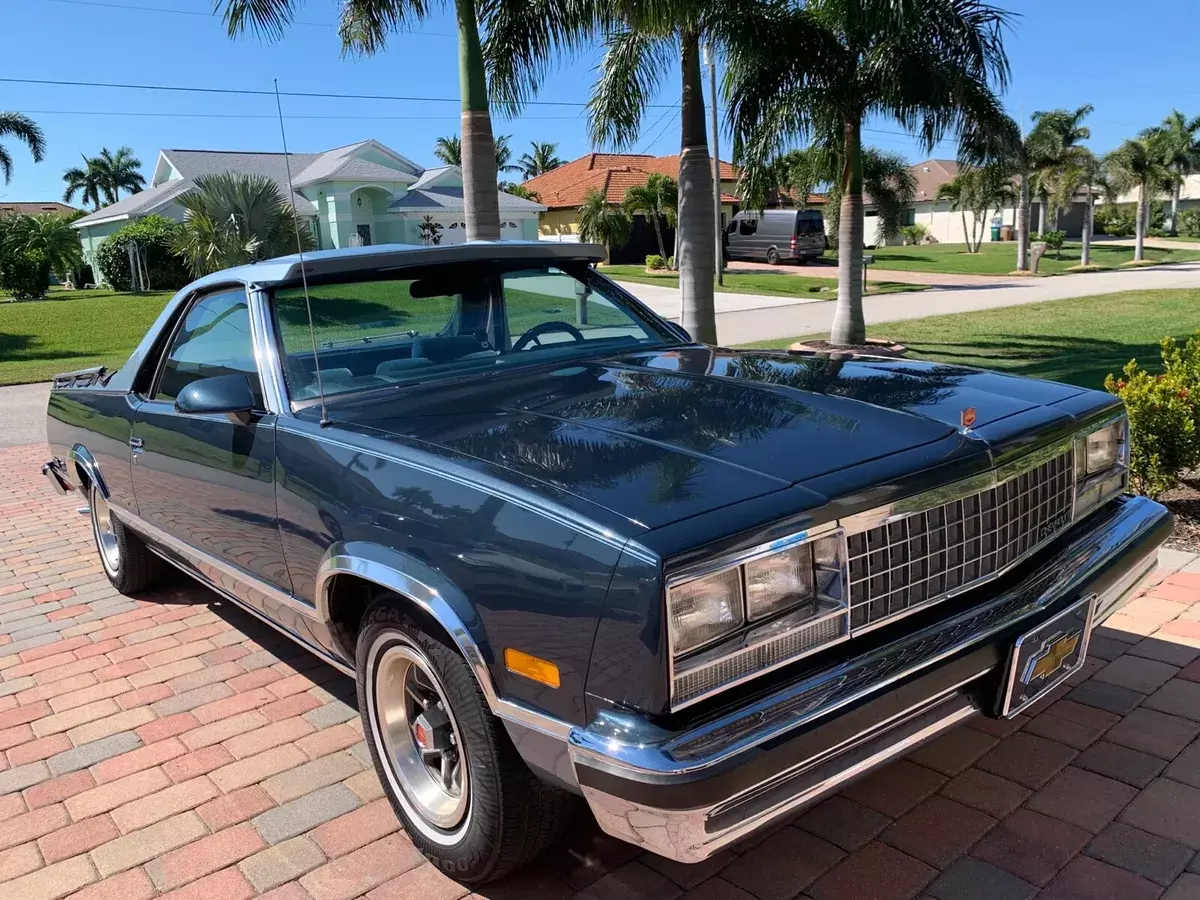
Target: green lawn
1078, 341
1001, 258
761, 283
93, 328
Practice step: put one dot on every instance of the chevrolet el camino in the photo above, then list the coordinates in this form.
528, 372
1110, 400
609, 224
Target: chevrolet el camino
566, 550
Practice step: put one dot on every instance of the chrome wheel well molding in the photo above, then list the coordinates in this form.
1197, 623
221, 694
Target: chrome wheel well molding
438, 598
86, 469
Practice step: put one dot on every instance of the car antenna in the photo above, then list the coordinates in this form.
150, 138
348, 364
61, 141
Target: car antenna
312, 333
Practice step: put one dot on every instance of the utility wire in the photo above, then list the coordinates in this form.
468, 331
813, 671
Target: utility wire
188, 115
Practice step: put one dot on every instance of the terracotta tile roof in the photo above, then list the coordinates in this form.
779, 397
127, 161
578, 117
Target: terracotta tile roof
614, 173
36, 208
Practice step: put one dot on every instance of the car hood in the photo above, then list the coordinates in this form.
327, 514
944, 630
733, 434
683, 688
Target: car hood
662, 435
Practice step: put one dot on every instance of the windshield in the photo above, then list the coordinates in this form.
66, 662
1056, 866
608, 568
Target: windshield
452, 320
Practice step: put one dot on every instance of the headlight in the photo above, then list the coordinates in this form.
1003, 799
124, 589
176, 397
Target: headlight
770, 609
1101, 465
705, 609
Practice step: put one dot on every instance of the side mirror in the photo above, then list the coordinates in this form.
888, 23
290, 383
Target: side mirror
680, 332
218, 394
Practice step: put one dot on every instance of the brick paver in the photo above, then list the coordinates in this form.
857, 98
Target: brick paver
169, 745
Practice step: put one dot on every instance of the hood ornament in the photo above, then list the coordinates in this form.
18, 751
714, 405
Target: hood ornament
968, 416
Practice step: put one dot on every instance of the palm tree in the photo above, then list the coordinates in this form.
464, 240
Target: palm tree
24, 129
643, 38
364, 28
120, 171
977, 190
1181, 153
504, 155
541, 160
88, 179
233, 219
815, 72
1138, 164
658, 199
519, 190
50, 236
449, 150
1085, 173
1056, 141
601, 222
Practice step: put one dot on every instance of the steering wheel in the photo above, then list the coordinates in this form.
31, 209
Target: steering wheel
532, 335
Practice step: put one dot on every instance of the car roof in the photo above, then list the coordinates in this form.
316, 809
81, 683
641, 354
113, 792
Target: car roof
351, 260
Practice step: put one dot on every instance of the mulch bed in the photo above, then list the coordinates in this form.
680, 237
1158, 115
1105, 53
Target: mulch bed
1184, 501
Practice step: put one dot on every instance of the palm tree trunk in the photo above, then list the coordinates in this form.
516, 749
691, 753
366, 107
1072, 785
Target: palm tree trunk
1174, 229
1023, 225
1043, 201
662, 248
480, 194
1140, 248
849, 326
968, 236
695, 234
1089, 211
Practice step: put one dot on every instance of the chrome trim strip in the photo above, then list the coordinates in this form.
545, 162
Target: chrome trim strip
58, 480
580, 525
684, 835
200, 558
430, 600
83, 460
266, 354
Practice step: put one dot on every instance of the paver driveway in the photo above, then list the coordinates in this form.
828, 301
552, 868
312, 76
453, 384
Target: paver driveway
173, 745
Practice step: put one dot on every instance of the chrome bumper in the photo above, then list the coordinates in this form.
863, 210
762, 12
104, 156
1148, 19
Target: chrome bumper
685, 795
56, 471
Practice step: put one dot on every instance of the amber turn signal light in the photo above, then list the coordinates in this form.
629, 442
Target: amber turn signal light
539, 670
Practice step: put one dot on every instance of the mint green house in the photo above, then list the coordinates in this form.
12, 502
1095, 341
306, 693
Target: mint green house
363, 193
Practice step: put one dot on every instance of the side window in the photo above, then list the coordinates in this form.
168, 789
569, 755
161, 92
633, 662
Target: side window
547, 307
213, 339
748, 226
731, 228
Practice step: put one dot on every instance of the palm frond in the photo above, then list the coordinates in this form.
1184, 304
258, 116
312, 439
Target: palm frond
24, 129
633, 69
266, 18
365, 24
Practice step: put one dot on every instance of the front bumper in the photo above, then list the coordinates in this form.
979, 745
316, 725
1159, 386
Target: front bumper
685, 795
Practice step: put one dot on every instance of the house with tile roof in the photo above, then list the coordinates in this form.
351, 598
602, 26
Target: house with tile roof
562, 190
35, 208
363, 193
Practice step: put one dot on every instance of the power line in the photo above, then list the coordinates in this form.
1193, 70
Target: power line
188, 115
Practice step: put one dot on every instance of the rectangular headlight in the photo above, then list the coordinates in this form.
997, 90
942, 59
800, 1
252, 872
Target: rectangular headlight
779, 581
705, 609
1101, 447
1101, 465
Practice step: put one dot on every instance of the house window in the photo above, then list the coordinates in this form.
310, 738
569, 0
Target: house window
909, 217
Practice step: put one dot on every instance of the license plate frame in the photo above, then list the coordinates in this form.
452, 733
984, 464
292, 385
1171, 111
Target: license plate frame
1060, 642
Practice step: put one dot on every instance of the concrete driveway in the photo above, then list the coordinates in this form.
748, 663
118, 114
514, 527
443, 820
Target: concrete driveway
170, 745
23, 412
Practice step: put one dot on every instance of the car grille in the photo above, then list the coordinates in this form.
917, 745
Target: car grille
924, 556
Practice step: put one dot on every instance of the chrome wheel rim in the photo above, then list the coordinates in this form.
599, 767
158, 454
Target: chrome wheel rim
106, 536
421, 737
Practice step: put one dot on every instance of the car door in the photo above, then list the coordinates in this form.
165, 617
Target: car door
207, 480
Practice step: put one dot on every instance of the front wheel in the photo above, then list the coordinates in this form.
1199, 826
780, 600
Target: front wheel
453, 777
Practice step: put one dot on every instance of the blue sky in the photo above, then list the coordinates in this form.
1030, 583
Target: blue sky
1064, 53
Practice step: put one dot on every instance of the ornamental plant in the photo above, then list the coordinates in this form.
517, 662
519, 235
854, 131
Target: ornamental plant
1164, 418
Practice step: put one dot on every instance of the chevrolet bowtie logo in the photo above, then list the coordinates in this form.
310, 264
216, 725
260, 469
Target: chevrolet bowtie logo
1051, 657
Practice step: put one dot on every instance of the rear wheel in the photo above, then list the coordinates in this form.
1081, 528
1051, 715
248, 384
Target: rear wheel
773, 256
128, 563
453, 777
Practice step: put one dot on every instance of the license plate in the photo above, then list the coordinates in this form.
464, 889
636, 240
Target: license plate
1044, 657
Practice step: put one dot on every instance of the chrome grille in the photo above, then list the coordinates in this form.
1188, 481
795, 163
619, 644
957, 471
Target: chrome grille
923, 556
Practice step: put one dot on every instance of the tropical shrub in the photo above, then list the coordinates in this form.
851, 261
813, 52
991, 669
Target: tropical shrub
24, 273
913, 234
1189, 222
1115, 220
671, 262
1054, 241
1164, 417
155, 238
654, 261
429, 231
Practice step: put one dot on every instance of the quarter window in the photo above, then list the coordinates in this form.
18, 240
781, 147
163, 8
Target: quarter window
213, 339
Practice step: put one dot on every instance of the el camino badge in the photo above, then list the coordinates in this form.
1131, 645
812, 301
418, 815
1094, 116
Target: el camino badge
1045, 657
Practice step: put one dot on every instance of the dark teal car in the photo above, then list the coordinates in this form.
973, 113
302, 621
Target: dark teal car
565, 550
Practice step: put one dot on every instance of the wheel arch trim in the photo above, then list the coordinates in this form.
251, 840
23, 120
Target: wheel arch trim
437, 597
85, 465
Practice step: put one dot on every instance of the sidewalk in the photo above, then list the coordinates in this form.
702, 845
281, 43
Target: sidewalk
744, 318
937, 279
170, 745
